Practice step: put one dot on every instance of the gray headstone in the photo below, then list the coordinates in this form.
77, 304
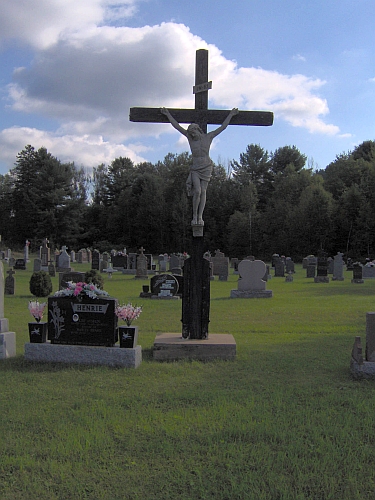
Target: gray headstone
338, 267
37, 265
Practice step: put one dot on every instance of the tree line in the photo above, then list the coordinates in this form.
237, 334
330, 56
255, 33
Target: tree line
261, 204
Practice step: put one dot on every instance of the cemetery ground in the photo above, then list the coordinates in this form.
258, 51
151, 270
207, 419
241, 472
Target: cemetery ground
285, 420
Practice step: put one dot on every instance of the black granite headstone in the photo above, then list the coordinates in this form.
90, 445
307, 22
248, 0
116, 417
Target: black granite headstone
83, 321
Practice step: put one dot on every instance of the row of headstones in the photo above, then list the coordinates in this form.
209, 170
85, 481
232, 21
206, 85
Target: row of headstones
62, 259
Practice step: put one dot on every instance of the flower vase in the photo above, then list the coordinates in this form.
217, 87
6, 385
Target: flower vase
128, 336
38, 332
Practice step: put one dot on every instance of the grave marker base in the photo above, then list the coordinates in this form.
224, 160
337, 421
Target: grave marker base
321, 279
172, 346
255, 294
7, 345
85, 355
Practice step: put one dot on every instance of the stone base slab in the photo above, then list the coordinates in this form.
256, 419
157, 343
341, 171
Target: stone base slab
251, 294
171, 346
321, 279
357, 280
365, 370
7, 345
165, 297
86, 355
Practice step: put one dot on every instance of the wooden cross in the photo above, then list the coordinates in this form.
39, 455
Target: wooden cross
201, 114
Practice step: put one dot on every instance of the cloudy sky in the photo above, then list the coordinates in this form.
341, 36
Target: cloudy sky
71, 69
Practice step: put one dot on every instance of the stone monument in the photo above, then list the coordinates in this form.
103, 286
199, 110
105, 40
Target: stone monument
196, 293
7, 338
251, 284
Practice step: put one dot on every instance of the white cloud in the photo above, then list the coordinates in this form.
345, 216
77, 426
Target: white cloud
42, 23
299, 57
86, 75
86, 150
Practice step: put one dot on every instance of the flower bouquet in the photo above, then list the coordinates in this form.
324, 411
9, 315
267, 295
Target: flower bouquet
80, 290
36, 310
128, 313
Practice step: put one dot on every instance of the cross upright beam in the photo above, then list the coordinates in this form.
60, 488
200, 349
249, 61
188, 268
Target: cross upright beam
200, 114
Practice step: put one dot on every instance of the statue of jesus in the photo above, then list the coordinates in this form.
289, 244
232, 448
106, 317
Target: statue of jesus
200, 172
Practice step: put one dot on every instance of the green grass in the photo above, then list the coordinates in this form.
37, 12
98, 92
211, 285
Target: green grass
285, 420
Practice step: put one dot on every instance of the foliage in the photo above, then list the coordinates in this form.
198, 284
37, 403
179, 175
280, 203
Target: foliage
40, 284
93, 276
290, 208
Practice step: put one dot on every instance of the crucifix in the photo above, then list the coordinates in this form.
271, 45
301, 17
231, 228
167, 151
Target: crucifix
196, 292
199, 140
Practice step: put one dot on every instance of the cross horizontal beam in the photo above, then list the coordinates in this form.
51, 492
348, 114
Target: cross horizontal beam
210, 116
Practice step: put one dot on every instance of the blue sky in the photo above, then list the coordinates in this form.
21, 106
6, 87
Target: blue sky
71, 69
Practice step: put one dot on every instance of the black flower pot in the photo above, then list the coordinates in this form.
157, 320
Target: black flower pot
38, 332
128, 336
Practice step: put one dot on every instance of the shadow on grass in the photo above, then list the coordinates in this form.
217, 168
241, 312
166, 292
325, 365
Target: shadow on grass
22, 365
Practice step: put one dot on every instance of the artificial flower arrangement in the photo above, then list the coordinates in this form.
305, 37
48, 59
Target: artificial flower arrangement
128, 313
80, 290
36, 310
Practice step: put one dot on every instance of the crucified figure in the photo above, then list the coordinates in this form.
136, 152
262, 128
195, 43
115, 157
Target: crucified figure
200, 172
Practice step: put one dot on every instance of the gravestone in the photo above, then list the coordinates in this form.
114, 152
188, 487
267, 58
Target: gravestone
10, 284
72, 256
20, 264
74, 276
164, 286
289, 277
7, 338
359, 367
322, 269
37, 265
357, 273
279, 267
26, 251
150, 261
220, 265
120, 261
289, 266
141, 272
274, 258
45, 254
163, 260
368, 272
175, 265
331, 264
51, 269
338, 267
63, 261
82, 322
95, 261
250, 283
310, 271
132, 262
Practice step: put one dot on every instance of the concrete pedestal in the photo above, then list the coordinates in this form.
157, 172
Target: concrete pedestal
7, 345
171, 346
81, 354
251, 294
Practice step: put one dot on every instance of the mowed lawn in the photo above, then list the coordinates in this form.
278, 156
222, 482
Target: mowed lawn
285, 420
